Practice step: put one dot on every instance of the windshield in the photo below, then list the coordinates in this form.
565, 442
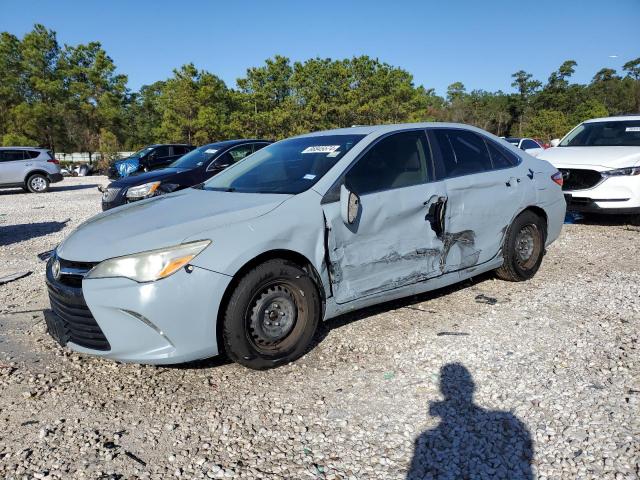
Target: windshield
141, 152
625, 133
289, 166
196, 158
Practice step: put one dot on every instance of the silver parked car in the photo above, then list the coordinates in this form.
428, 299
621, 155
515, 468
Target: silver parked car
299, 232
31, 168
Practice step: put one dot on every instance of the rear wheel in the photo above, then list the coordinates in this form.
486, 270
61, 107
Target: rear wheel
272, 315
523, 247
37, 183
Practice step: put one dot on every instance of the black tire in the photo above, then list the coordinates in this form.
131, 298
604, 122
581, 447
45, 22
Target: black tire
272, 315
37, 183
523, 247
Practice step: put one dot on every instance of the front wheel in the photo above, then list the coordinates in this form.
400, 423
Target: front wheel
523, 247
272, 315
37, 183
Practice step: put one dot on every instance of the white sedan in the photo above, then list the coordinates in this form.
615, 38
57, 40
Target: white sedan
600, 163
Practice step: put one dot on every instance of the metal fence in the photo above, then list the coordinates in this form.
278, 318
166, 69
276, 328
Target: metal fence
84, 157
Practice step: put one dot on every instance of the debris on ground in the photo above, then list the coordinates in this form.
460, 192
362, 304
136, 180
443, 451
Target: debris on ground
13, 277
482, 298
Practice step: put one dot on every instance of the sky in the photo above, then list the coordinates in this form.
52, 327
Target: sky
478, 42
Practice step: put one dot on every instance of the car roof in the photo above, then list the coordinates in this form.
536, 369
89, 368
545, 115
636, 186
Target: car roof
619, 118
25, 148
381, 129
230, 143
168, 145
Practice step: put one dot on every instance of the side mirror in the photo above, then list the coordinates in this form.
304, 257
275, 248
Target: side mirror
349, 205
555, 142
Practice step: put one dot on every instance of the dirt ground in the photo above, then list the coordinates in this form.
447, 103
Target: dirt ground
544, 372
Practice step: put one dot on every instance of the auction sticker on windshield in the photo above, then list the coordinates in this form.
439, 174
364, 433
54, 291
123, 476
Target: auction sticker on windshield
632, 129
321, 149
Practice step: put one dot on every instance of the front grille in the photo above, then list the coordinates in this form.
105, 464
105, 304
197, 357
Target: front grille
77, 324
72, 273
110, 194
578, 179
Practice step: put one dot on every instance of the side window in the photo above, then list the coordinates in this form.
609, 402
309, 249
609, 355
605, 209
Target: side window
399, 160
11, 155
31, 153
161, 152
501, 157
463, 152
238, 153
179, 150
529, 144
258, 146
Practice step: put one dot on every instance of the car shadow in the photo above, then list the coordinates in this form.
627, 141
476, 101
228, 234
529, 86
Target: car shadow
325, 327
10, 234
406, 302
69, 188
470, 441
605, 220
52, 188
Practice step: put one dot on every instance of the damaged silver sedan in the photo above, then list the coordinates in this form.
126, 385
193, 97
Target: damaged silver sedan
299, 232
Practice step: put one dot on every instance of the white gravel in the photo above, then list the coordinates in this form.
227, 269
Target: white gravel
554, 362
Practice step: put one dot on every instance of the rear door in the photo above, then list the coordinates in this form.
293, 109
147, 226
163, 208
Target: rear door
484, 189
13, 166
392, 243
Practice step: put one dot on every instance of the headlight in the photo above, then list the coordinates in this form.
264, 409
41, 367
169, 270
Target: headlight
629, 171
149, 266
142, 191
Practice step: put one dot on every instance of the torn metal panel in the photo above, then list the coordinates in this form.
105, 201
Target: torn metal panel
392, 244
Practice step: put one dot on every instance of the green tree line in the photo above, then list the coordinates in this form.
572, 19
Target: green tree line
71, 98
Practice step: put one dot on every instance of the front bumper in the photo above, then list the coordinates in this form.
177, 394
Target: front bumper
612, 195
169, 321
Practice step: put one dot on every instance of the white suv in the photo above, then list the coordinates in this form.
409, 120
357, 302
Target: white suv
30, 168
600, 163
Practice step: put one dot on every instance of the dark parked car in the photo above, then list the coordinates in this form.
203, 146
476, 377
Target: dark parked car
193, 168
149, 158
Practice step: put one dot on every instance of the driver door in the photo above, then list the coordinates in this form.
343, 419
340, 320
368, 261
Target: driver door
392, 243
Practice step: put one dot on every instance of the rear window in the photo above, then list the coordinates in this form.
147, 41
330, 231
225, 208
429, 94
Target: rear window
32, 153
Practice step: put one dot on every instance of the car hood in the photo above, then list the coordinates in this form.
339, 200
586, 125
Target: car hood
605, 157
162, 222
144, 177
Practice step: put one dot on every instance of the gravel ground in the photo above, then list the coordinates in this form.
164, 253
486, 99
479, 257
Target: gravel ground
486, 379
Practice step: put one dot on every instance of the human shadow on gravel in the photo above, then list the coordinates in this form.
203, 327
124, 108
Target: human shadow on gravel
19, 233
470, 442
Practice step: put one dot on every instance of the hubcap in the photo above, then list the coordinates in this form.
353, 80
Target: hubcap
273, 315
38, 183
526, 244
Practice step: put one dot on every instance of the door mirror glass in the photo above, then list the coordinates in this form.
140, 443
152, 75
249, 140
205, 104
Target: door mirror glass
349, 205
555, 142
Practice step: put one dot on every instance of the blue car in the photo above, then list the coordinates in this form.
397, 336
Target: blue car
148, 158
